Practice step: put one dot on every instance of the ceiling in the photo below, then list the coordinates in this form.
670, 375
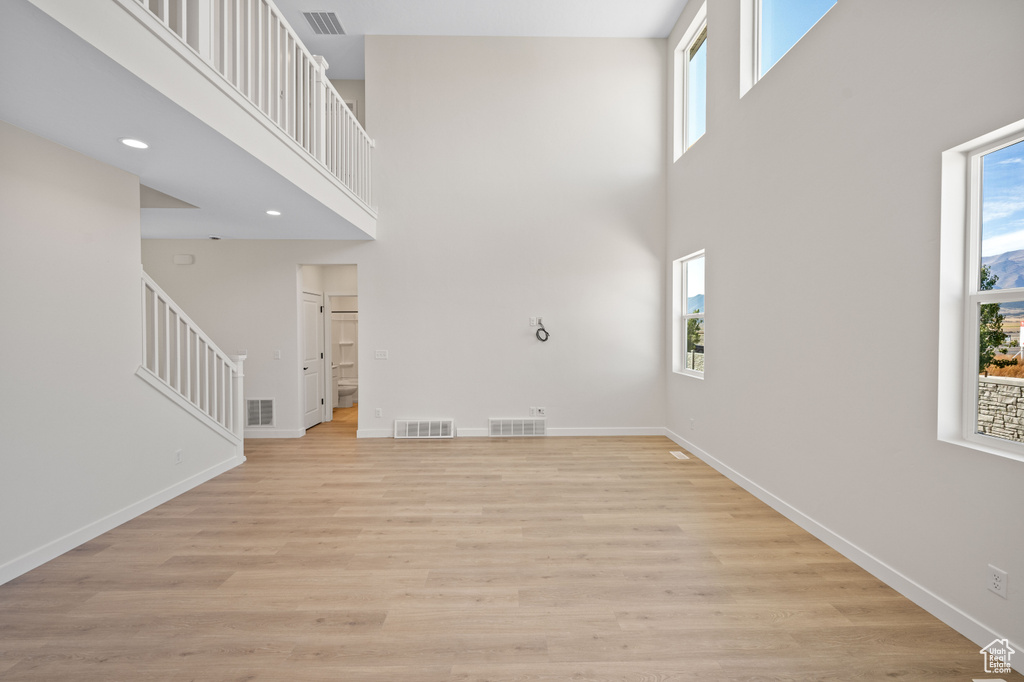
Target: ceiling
542, 18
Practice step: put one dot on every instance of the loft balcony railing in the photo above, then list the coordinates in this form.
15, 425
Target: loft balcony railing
249, 43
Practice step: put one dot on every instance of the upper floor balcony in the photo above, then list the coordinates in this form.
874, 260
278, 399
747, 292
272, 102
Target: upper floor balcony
240, 117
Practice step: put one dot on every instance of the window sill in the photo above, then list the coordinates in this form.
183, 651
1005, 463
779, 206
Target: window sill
988, 445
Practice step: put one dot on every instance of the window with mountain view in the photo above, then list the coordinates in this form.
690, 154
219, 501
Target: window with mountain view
996, 290
688, 306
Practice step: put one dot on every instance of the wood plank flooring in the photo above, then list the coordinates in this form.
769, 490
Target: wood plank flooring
327, 558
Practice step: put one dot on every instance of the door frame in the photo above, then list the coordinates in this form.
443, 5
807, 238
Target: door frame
324, 360
329, 353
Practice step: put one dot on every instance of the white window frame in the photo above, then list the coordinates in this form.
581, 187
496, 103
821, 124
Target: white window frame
681, 84
960, 296
679, 315
750, 43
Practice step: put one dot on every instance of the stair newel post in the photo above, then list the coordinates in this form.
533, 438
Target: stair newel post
238, 397
320, 116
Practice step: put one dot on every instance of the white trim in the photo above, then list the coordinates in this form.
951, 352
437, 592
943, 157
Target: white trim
679, 314
375, 433
51, 550
949, 614
471, 433
750, 43
749, 50
681, 84
180, 400
959, 298
259, 432
608, 431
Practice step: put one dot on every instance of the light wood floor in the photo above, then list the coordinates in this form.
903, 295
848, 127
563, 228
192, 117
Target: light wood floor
558, 559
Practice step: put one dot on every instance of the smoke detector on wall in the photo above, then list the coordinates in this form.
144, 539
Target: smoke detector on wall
324, 23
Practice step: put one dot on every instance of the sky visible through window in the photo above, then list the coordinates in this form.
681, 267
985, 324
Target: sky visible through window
695, 285
697, 82
783, 23
1002, 204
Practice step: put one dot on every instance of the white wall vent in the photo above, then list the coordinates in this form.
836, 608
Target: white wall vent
324, 23
259, 412
517, 427
418, 428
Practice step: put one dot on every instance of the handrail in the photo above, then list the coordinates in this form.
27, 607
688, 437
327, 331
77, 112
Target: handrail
251, 45
184, 362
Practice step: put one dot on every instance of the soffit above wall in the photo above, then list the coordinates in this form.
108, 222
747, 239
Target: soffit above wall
514, 18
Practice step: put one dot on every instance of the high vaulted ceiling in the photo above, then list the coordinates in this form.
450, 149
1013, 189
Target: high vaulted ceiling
547, 18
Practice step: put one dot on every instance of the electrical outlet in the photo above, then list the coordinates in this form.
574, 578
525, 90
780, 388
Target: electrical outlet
998, 581
693, 425
177, 457
277, 355
379, 412
533, 321
542, 411
380, 355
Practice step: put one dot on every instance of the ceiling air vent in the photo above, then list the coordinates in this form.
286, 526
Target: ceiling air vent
324, 23
259, 412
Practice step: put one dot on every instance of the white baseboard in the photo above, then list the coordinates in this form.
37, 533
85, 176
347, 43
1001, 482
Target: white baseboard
274, 433
375, 433
37, 557
609, 431
949, 614
472, 433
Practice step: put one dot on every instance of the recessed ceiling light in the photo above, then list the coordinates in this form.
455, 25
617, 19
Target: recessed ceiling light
272, 212
137, 144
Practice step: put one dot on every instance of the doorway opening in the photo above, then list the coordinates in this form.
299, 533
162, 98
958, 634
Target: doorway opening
333, 398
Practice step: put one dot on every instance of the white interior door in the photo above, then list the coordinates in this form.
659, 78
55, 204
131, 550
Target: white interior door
313, 357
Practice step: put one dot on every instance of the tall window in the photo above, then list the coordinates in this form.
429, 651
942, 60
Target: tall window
995, 289
691, 84
688, 313
783, 23
769, 29
697, 88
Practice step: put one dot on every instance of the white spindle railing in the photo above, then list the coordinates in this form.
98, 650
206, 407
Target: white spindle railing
179, 358
250, 44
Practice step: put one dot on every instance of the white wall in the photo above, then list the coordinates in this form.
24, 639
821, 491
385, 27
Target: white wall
353, 91
85, 443
516, 177
816, 196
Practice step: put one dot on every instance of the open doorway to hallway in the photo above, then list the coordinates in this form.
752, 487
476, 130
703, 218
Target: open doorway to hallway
338, 390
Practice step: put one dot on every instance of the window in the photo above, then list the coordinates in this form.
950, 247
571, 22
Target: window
691, 84
981, 374
995, 293
688, 314
770, 28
